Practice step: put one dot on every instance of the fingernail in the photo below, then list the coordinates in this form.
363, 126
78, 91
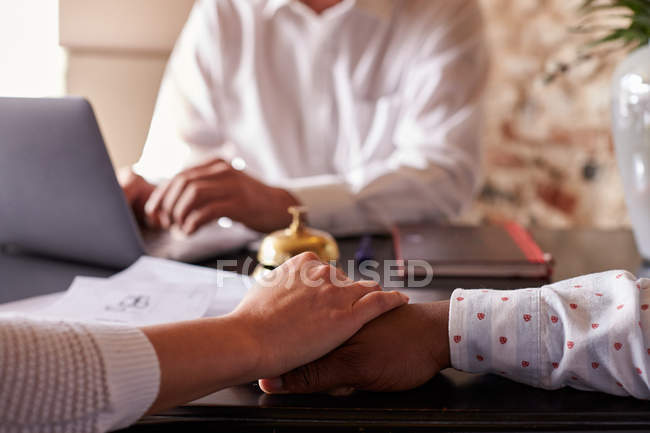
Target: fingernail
406, 298
367, 283
272, 386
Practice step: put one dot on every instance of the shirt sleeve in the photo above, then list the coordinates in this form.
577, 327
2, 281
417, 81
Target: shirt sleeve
433, 170
590, 333
78, 377
186, 112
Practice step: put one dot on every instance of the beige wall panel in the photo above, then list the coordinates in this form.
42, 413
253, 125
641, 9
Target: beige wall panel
136, 25
123, 90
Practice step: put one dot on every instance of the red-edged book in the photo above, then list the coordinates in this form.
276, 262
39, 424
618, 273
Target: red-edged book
505, 250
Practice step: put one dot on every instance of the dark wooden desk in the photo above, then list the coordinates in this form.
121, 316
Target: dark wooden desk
451, 401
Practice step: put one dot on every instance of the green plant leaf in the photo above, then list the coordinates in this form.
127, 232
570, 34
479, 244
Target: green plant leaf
638, 30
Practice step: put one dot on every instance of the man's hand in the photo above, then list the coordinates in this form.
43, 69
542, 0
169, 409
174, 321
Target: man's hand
136, 190
400, 350
208, 191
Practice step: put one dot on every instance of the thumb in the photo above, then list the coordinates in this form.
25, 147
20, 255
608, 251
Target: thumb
325, 374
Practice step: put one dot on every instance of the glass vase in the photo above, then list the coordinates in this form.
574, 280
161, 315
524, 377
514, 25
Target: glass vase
631, 130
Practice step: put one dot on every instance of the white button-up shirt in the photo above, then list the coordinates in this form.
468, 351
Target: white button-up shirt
368, 113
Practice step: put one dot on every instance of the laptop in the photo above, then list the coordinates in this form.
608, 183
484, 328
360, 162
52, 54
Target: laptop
59, 196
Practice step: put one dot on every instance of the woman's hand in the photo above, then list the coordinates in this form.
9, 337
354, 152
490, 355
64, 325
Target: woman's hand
301, 311
306, 308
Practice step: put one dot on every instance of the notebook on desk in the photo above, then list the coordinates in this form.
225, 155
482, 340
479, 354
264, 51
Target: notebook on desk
505, 250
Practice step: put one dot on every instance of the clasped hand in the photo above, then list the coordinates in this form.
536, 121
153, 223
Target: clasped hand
399, 350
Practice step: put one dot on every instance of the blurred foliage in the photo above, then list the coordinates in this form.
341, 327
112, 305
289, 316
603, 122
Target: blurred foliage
615, 25
637, 12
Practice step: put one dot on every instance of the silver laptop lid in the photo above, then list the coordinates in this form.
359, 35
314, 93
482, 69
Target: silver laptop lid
58, 192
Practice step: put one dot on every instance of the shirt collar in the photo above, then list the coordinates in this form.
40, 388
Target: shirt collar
378, 8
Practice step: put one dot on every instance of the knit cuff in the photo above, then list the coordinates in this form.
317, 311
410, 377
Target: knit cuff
496, 331
132, 373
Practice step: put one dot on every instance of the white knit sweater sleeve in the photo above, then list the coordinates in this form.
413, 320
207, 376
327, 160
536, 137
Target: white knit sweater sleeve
72, 376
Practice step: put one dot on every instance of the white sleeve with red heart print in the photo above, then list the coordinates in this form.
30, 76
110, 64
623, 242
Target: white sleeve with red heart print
590, 332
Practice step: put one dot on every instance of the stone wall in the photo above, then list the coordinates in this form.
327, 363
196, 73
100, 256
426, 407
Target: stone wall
548, 155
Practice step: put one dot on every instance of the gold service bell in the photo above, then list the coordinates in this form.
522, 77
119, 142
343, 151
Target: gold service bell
281, 245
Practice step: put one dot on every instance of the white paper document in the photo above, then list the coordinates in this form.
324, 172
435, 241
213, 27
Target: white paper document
136, 303
152, 291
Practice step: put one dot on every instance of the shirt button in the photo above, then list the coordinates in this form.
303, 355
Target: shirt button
238, 163
224, 222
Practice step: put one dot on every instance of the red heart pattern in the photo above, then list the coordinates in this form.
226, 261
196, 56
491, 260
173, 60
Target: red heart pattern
570, 344
617, 346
